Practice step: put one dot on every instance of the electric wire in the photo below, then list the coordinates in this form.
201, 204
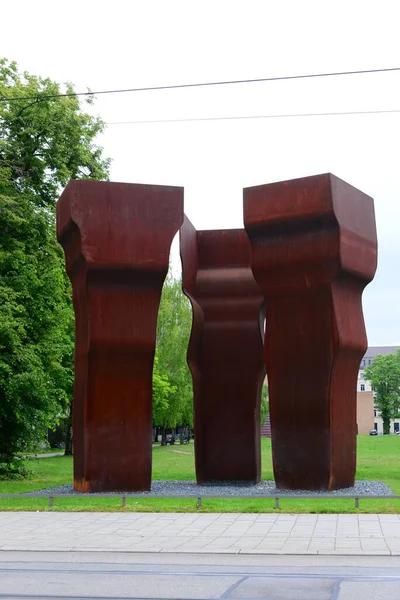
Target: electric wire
197, 85
254, 117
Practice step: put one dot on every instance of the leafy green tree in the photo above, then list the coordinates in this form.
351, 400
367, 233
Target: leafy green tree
47, 140
173, 332
264, 408
162, 393
33, 318
44, 142
384, 375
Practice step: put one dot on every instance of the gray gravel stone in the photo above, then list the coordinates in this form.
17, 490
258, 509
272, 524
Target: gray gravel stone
189, 489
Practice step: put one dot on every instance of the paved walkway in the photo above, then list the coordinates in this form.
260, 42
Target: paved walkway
206, 533
46, 455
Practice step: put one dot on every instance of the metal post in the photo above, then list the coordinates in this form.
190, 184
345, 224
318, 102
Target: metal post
357, 501
277, 503
123, 501
198, 502
50, 501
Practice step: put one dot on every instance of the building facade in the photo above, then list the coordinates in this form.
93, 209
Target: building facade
367, 416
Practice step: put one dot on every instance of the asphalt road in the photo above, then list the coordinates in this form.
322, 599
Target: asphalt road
104, 575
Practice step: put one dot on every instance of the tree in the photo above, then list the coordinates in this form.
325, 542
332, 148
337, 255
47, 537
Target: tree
43, 142
33, 318
162, 393
264, 406
384, 375
173, 332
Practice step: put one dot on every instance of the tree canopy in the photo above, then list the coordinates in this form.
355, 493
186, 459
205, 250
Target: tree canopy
34, 320
264, 404
173, 332
46, 140
43, 143
384, 375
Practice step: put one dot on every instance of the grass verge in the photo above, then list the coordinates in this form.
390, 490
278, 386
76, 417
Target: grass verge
378, 459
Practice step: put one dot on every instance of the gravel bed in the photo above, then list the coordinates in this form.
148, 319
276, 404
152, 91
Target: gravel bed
189, 489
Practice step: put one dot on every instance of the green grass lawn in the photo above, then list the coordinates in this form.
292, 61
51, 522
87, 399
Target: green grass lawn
378, 459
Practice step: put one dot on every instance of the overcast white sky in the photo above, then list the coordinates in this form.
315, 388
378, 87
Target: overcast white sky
125, 44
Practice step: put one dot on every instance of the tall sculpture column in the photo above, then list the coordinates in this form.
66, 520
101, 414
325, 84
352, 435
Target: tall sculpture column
314, 249
225, 353
116, 239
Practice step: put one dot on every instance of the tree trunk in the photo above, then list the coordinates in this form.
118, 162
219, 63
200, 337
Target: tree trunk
68, 434
163, 437
157, 433
386, 425
183, 434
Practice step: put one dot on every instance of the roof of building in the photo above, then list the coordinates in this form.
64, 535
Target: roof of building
375, 350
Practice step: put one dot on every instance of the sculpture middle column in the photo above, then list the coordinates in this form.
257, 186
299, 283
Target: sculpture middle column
116, 239
225, 353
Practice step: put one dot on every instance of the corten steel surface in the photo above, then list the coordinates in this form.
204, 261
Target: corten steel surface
116, 239
314, 249
225, 353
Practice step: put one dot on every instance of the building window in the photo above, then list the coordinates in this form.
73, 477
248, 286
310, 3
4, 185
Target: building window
362, 387
374, 413
361, 374
376, 426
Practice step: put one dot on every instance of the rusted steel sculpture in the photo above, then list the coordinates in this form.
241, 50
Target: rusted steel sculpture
314, 249
116, 239
225, 353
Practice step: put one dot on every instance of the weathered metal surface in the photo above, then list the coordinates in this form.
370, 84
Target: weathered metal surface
225, 353
116, 239
314, 249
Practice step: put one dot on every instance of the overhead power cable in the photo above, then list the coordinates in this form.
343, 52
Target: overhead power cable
248, 117
197, 85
